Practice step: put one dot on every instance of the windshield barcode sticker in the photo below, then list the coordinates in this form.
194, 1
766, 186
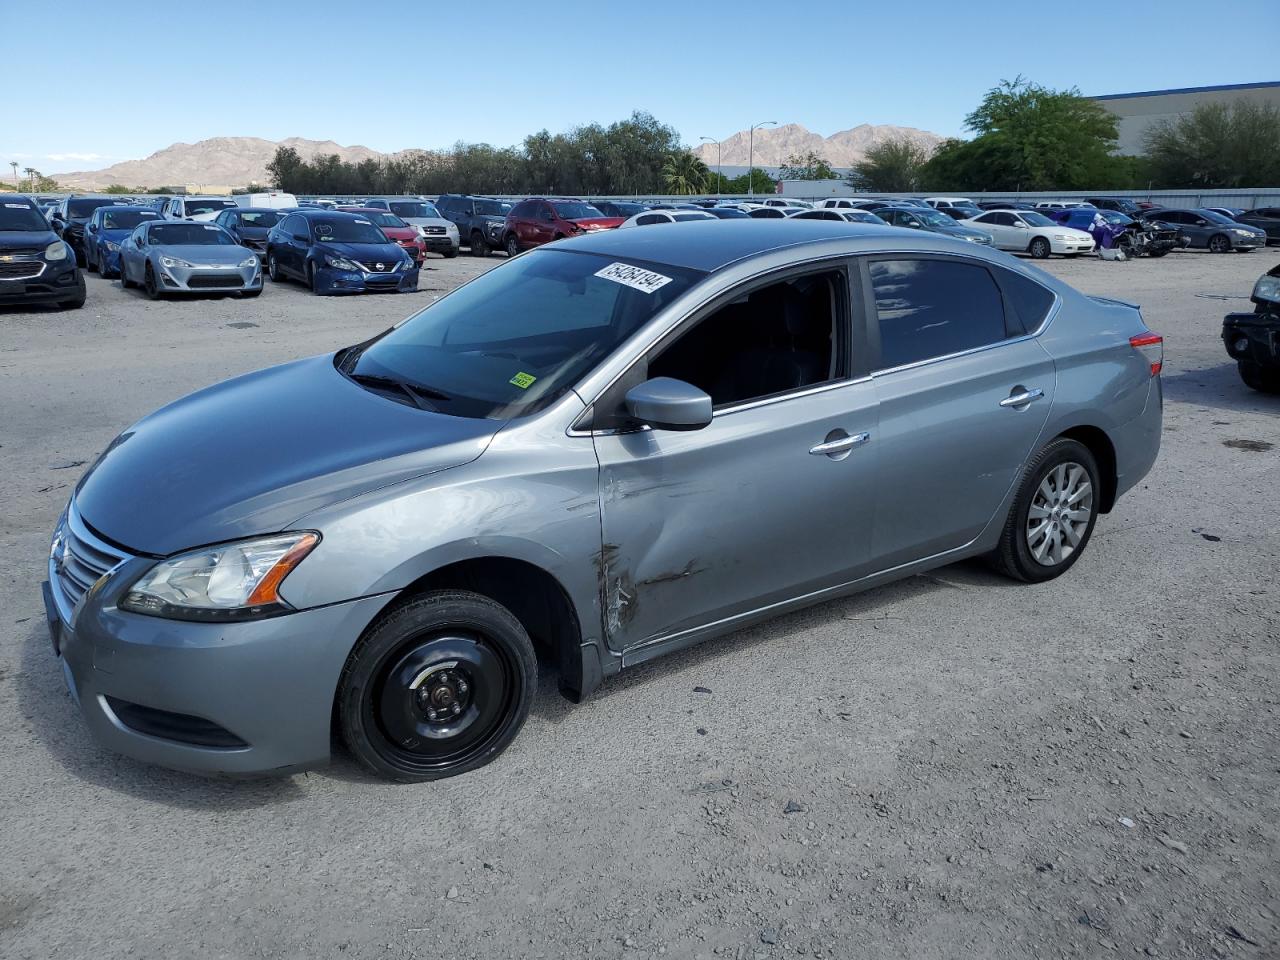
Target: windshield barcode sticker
644, 280
17, 206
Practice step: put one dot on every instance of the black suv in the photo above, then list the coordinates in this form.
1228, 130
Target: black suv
1122, 204
35, 266
70, 216
479, 219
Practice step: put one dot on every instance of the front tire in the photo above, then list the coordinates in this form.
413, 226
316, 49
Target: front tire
1219, 243
479, 245
439, 686
1040, 248
1258, 378
149, 283
1053, 514
512, 245
125, 282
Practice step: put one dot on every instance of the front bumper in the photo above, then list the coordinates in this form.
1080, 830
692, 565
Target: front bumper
56, 281
330, 280
228, 698
1065, 247
1261, 335
206, 280
440, 243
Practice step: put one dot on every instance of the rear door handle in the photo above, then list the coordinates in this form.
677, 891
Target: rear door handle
1023, 398
839, 445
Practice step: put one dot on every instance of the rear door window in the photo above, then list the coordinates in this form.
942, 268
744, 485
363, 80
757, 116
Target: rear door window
933, 307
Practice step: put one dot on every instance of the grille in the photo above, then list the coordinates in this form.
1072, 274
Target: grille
21, 269
202, 281
83, 558
436, 231
378, 266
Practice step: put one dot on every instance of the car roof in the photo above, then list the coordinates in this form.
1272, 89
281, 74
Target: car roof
309, 212
262, 209
710, 246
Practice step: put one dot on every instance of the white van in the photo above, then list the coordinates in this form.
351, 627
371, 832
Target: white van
272, 201
195, 208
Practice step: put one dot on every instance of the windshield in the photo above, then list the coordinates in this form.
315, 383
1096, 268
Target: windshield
1214, 217
206, 206
189, 234
492, 208
576, 211
1114, 216
413, 208
934, 218
682, 217
384, 219
21, 216
266, 219
84, 208
519, 336
1038, 220
126, 219
355, 230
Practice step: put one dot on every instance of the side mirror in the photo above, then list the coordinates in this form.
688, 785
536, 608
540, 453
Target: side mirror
668, 404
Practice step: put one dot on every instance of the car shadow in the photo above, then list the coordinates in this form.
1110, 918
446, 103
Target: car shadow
1219, 387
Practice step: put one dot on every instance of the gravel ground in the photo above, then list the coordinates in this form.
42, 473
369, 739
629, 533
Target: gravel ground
951, 766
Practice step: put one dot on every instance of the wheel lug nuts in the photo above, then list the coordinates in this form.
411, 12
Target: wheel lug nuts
457, 709
462, 686
431, 715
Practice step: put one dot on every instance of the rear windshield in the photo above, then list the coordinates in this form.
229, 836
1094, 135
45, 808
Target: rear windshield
21, 216
85, 208
194, 207
576, 211
518, 337
189, 234
413, 208
265, 219
356, 230
126, 219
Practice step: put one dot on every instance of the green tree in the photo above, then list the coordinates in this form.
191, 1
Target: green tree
759, 181
891, 166
806, 166
1029, 137
118, 188
684, 173
1217, 145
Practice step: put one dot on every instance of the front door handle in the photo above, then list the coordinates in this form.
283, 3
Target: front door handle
839, 445
1023, 398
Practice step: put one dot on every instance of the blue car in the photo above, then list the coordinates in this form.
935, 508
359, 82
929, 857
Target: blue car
335, 252
106, 230
250, 225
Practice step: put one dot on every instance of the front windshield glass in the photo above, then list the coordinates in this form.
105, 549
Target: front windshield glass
194, 207
492, 208
77, 209
413, 208
517, 337
189, 234
384, 219
934, 218
265, 219
126, 219
1038, 220
1114, 216
21, 216
355, 230
576, 211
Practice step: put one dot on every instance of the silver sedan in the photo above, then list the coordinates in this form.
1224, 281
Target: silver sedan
166, 257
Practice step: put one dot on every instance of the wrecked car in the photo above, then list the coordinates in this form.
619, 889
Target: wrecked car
602, 451
1253, 339
1112, 229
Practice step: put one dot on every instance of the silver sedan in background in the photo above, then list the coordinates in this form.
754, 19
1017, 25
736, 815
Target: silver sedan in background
165, 257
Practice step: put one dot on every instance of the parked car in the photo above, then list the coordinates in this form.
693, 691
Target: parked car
1201, 228
1005, 205
1232, 212
70, 217
275, 200
840, 214
557, 461
1122, 204
1060, 204
107, 230
787, 202
1027, 231
334, 252
961, 211
167, 257
727, 213
480, 220
622, 208
440, 234
933, 221
539, 220
250, 226
1111, 228
773, 213
199, 209
36, 265
841, 203
653, 217
1253, 339
941, 203
398, 231
1266, 219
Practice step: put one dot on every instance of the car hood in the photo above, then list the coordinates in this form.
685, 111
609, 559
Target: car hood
387, 252
204, 252
400, 233
25, 241
253, 454
430, 222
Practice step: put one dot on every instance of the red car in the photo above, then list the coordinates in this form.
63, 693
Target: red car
536, 221
396, 230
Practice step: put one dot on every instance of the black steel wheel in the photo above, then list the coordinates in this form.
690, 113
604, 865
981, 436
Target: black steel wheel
438, 686
1219, 243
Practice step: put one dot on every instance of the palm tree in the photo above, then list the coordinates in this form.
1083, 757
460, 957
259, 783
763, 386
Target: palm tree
684, 173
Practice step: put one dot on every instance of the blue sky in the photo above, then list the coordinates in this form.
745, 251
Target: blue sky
120, 80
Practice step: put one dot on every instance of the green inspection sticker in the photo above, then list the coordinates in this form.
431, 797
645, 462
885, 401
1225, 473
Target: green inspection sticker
523, 380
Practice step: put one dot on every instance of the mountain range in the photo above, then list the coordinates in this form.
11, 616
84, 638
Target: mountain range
774, 144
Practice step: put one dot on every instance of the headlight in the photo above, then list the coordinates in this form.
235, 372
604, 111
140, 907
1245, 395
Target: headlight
174, 262
1063, 236
1244, 233
406, 264
249, 262
112, 247
1267, 288
339, 263
56, 251
235, 581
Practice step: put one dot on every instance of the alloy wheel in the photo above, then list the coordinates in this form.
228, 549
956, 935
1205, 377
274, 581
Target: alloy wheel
1219, 244
1060, 513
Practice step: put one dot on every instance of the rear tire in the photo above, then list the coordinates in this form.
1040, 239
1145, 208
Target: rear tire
1053, 514
1040, 248
273, 269
438, 686
1257, 378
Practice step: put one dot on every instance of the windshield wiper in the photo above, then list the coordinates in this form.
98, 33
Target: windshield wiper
419, 395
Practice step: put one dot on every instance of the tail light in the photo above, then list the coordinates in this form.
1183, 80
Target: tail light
1151, 346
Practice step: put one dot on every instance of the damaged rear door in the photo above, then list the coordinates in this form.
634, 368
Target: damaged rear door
772, 500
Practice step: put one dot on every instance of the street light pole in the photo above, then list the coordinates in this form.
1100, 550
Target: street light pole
751, 155
717, 143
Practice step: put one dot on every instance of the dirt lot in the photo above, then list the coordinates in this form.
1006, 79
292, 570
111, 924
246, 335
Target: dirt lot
952, 766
